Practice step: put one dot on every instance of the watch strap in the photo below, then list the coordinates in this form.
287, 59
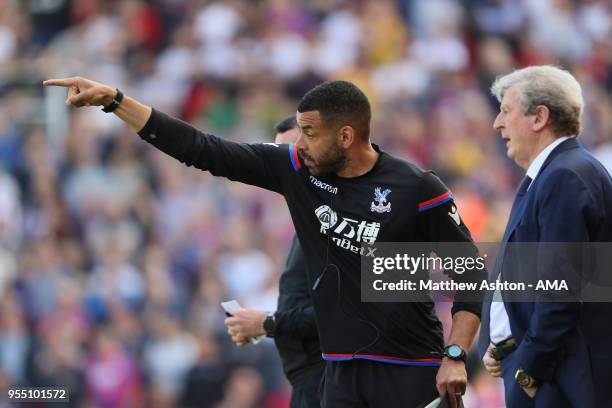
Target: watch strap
269, 325
111, 107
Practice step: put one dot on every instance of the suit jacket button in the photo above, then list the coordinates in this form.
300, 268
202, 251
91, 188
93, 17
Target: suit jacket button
152, 136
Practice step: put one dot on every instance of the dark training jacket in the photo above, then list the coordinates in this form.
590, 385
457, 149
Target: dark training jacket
395, 201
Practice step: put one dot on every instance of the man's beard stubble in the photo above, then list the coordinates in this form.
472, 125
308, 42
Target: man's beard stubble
331, 162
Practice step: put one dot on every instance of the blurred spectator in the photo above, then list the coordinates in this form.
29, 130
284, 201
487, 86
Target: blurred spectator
14, 339
10, 211
112, 374
243, 389
48, 19
244, 271
204, 381
114, 281
168, 356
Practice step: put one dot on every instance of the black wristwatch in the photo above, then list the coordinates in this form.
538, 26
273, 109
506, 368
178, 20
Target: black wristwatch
524, 379
454, 352
111, 107
269, 325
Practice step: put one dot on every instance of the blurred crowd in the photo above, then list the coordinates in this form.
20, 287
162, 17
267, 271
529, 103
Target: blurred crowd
114, 257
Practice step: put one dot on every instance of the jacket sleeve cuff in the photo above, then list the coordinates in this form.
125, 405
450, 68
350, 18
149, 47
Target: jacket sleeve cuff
148, 132
540, 366
475, 308
280, 323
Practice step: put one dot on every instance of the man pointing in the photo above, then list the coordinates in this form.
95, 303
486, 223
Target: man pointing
387, 354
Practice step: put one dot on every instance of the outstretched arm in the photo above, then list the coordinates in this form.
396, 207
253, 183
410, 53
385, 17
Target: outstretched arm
85, 92
258, 164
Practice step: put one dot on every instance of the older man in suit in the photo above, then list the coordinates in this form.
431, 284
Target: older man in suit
549, 353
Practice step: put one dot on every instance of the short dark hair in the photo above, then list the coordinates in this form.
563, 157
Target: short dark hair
286, 124
340, 103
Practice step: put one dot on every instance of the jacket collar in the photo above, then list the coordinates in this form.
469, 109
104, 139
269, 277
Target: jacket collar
569, 144
520, 200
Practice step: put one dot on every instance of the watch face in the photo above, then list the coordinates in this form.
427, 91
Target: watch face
269, 325
455, 351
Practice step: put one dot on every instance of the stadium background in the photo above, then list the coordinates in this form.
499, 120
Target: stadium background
114, 258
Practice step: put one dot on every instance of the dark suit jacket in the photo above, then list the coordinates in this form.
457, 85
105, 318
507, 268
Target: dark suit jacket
297, 337
565, 345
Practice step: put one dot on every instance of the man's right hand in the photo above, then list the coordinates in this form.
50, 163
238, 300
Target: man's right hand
492, 366
84, 92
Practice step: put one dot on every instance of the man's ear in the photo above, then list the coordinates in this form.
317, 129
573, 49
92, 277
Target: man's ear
346, 136
541, 118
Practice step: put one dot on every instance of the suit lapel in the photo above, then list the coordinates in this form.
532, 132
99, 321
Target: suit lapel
518, 207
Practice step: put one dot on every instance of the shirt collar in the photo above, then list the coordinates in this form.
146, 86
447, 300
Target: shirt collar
536, 164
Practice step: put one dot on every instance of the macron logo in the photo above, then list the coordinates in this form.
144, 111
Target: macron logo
324, 186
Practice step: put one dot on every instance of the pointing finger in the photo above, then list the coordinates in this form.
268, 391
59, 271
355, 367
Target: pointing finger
67, 82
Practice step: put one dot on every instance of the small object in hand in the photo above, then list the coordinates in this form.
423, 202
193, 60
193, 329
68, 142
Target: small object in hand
230, 307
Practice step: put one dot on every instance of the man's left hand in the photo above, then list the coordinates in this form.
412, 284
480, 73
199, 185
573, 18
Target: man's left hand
245, 324
452, 380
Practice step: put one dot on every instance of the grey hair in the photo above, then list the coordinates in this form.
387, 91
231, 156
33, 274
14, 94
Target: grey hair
550, 86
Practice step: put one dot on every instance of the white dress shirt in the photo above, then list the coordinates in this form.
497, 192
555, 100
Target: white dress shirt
499, 323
